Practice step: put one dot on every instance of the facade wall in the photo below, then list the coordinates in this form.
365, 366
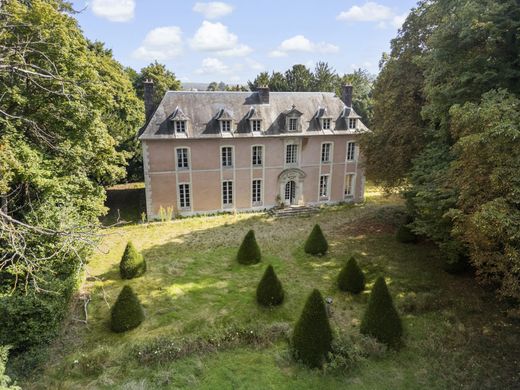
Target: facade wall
205, 175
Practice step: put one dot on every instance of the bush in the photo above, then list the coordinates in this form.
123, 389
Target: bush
269, 291
312, 336
249, 251
316, 243
5, 381
127, 312
132, 263
351, 277
381, 319
405, 235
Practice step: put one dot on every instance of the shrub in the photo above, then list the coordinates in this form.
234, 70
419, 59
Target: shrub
132, 263
5, 381
249, 251
269, 291
316, 243
381, 319
127, 312
405, 235
351, 277
312, 336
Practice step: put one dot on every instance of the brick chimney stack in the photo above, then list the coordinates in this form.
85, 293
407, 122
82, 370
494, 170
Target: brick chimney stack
346, 95
148, 99
263, 94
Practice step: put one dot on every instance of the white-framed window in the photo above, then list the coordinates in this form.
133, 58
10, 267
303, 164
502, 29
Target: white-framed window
352, 122
349, 185
325, 123
227, 193
180, 127
257, 155
184, 196
183, 158
351, 151
291, 154
226, 153
225, 126
325, 152
256, 191
324, 186
293, 124
256, 125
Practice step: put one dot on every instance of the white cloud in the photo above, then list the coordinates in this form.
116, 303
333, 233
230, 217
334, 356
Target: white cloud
300, 43
398, 20
238, 51
254, 65
213, 66
216, 37
161, 43
372, 12
114, 10
213, 10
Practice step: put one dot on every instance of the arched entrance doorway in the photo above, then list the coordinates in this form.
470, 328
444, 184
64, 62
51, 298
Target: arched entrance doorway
290, 184
290, 192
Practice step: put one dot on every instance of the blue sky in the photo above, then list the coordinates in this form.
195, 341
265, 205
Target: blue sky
232, 41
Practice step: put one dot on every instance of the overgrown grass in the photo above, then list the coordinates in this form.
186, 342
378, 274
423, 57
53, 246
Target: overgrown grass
200, 305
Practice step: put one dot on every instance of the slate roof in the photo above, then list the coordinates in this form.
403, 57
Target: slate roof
203, 111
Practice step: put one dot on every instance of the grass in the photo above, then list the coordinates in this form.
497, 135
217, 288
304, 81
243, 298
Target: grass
456, 335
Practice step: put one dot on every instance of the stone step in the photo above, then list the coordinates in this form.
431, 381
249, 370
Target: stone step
293, 211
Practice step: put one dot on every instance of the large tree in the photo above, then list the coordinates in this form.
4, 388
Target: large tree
163, 79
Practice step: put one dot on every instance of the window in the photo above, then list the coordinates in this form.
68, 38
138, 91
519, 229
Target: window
352, 123
325, 124
256, 191
180, 126
351, 151
291, 154
293, 124
257, 155
182, 158
325, 152
349, 185
184, 196
324, 186
227, 156
256, 125
227, 193
225, 126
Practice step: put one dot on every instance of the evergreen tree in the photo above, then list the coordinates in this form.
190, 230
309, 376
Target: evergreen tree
405, 235
249, 251
312, 336
316, 243
132, 263
269, 291
127, 312
351, 277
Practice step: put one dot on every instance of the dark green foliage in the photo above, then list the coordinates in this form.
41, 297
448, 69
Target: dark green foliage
132, 263
405, 235
316, 243
381, 319
312, 336
127, 312
249, 251
269, 291
351, 277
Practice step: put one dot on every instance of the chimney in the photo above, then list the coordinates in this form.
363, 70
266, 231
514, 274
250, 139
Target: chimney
263, 94
346, 95
148, 99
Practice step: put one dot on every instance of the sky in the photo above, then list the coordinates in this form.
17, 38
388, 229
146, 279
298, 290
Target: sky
233, 41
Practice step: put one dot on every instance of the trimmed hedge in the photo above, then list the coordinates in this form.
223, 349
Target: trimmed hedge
316, 243
132, 263
351, 277
381, 319
127, 312
269, 291
249, 251
312, 336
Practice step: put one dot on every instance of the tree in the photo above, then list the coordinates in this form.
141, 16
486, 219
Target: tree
299, 79
312, 336
351, 277
362, 96
316, 243
5, 381
163, 80
269, 291
132, 263
262, 80
325, 78
127, 312
249, 251
381, 319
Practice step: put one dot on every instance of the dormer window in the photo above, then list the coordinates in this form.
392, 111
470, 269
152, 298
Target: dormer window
292, 119
325, 124
256, 125
180, 127
293, 124
352, 122
225, 126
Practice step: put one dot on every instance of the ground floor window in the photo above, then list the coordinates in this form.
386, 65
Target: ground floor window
349, 185
184, 196
256, 191
227, 193
324, 186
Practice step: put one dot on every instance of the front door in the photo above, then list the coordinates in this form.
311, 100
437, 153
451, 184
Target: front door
290, 192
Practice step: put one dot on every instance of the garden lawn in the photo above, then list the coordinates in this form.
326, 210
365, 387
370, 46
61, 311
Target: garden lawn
456, 335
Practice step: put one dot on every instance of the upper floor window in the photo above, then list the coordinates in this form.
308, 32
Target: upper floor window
325, 124
293, 124
184, 196
351, 151
180, 126
352, 122
227, 156
225, 126
257, 155
325, 152
256, 125
291, 154
324, 185
182, 158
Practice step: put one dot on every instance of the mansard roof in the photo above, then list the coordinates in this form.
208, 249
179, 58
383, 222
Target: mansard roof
204, 109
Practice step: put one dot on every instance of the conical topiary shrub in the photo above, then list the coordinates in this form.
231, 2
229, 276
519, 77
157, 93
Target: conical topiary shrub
351, 278
249, 251
269, 291
381, 319
316, 243
132, 263
312, 337
127, 312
